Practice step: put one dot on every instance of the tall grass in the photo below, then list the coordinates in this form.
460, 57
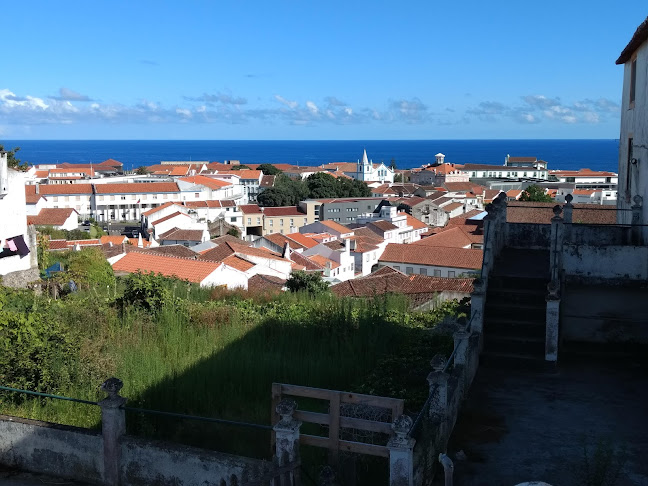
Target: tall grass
216, 354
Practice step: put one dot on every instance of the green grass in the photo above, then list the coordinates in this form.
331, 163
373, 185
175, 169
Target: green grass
217, 354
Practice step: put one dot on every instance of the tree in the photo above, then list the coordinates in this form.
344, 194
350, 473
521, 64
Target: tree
234, 232
321, 184
392, 164
142, 170
398, 178
310, 282
239, 167
535, 193
89, 268
269, 169
14, 162
274, 196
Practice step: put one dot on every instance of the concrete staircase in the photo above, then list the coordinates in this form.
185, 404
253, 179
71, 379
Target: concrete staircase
515, 313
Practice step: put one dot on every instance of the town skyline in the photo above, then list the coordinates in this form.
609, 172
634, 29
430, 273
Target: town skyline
304, 72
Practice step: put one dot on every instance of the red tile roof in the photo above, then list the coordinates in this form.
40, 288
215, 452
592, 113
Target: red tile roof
51, 216
440, 257
250, 209
415, 223
280, 240
206, 181
243, 174
136, 188
228, 248
452, 206
541, 213
115, 240
265, 283
392, 281
30, 194
238, 263
323, 261
56, 189
453, 237
182, 268
303, 240
306, 262
159, 208
383, 225
177, 234
582, 173
464, 187
336, 227
283, 211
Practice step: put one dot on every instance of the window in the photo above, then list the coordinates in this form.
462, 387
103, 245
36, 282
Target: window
423, 271
271, 223
197, 194
259, 220
409, 270
78, 198
233, 220
123, 198
437, 273
451, 274
396, 267
292, 222
249, 221
305, 220
633, 82
281, 222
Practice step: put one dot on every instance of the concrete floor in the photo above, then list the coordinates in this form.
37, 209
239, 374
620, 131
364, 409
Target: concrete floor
15, 478
523, 426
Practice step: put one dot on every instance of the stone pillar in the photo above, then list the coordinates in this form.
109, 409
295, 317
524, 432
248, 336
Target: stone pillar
477, 303
552, 324
401, 453
438, 382
460, 339
568, 209
113, 426
501, 233
287, 431
555, 259
637, 232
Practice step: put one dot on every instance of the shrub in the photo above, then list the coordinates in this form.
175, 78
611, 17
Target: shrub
310, 282
146, 290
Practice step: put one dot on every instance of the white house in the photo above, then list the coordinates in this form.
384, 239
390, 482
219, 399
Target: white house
364, 170
392, 226
128, 201
633, 141
202, 188
331, 227
15, 252
75, 196
60, 218
336, 259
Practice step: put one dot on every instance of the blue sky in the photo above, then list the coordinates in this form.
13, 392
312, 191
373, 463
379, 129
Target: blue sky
313, 69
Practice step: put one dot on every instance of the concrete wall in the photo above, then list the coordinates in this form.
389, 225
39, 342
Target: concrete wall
41, 447
528, 235
599, 235
606, 262
146, 462
604, 314
633, 178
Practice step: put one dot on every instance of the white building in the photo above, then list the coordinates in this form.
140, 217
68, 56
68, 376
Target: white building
126, 202
389, 224
633, 141
485, 171
15, 252
364, 170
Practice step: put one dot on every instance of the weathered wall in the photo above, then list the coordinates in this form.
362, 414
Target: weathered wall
528, 235
606, 262
598, 235
604, 314
146, 462
59, 450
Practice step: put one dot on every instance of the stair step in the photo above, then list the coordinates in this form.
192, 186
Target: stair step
515, 361
531, 346
515, 327
531, 282
509, 310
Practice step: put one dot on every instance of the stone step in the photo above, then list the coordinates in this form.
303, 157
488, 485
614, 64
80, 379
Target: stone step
515, 362
529, 282
515, 328
509, 310
516, 296
522, 345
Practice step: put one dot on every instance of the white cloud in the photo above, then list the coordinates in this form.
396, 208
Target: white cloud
290, 104
312, 107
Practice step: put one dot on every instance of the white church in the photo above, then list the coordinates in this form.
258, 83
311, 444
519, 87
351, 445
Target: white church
367, 171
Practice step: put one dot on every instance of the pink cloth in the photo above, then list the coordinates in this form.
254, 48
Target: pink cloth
12, 245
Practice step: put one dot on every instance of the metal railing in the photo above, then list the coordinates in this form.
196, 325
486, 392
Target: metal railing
142, 410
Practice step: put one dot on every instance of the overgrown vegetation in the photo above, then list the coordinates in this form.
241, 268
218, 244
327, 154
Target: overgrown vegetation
288, 192
13, 161
207, 352
601, 464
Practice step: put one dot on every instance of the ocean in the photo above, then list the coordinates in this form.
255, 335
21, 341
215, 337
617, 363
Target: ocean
560, 154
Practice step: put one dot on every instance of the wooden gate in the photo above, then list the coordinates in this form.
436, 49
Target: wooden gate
335, 421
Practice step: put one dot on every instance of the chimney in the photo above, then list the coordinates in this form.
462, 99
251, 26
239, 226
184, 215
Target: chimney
37, 188
286, 251
347, 245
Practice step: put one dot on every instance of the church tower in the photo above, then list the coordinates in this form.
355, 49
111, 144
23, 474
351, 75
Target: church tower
364, 168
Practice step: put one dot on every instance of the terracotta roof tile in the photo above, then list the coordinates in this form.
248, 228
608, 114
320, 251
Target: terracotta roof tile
179, 251
30, 194
115, 240
454, 237
243, 174
323, 261
238, 263
159, 208
306, 262
541, 213
399, 283
280, 240
441, 257
303, 240
452, 206
206, 181
51, 216
265, 283
136, 188
415, 223
177, 234
383, 225
336, 226
250, 209
56, 189
182, 268
283, 211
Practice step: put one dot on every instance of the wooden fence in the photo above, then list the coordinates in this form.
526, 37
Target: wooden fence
335, 421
